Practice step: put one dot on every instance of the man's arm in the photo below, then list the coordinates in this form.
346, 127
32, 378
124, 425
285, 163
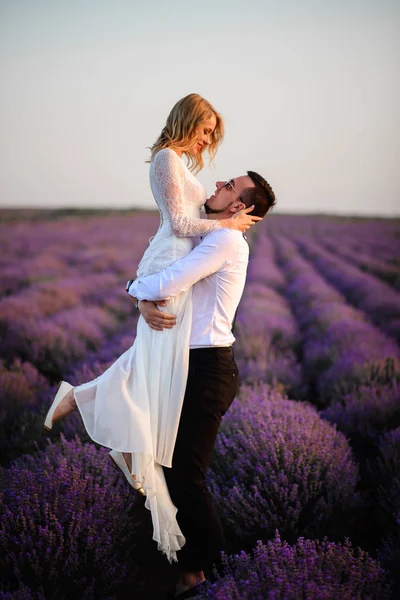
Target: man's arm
155, 318
217, 250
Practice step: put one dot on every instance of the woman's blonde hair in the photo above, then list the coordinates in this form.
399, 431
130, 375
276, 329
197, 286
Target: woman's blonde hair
180, 129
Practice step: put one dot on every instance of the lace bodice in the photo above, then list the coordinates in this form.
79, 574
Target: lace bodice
179, 197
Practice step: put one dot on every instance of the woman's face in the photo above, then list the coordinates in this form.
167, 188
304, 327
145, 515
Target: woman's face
203, 137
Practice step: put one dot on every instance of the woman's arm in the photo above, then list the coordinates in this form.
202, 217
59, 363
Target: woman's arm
169, 174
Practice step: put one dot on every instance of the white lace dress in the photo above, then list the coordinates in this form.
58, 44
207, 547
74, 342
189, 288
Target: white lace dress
135, 405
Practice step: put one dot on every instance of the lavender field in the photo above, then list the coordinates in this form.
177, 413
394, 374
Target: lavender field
306, 468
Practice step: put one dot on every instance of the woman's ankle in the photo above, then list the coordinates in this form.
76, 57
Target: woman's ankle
128, 460
66, 407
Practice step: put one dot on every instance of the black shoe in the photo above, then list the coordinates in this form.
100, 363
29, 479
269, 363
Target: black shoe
190, 593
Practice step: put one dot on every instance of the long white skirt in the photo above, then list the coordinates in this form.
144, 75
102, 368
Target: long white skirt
135, 407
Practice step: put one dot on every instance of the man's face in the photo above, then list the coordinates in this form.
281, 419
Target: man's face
225, 198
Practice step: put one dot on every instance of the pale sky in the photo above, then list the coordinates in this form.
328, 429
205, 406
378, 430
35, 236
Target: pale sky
309, 89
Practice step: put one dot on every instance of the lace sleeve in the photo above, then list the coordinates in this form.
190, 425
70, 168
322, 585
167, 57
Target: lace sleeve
169, 174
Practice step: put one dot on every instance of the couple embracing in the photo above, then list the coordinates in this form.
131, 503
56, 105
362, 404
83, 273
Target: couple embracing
158, 407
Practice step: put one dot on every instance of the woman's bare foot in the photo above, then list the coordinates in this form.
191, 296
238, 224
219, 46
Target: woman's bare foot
66, 406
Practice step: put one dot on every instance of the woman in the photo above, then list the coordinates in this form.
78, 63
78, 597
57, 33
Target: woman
134, 406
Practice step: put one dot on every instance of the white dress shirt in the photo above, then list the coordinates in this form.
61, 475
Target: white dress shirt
217, 270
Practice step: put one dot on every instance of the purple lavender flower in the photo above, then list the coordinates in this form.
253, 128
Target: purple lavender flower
377, 239
367, 411
25, 396
22, 593
315, 570
276, 464
20, 387
365, 291
64, 522
365, 262
389, 554
341, 349
388, 473
62, 306
262, 266
385, 479
266, 331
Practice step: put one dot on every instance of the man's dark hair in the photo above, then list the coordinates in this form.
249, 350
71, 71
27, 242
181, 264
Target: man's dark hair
261, 196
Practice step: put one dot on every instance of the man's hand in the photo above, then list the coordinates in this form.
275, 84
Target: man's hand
155, 318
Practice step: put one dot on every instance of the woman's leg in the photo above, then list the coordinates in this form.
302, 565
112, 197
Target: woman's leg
66, 406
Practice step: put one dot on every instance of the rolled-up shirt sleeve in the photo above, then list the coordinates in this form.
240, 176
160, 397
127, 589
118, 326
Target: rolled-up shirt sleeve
216, 251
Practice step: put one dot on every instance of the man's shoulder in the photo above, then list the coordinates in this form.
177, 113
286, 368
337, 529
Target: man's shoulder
227, 236
227, 239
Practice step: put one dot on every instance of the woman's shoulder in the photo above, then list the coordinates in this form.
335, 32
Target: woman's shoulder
167, 155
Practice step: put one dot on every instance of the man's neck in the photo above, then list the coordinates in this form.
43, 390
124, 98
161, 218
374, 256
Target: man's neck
219, 216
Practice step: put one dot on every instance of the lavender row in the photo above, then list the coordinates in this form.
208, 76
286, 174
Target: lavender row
68, 530
64, 506
55, 322
341, 349
65, 524
351, 242
386, 477
277, 465
262, 266
52, 343
299, 469
23, 240
364, 291
71, 248
368, 410
369, 264
48, 300
266, 331
314, 570
385, 473
376, 238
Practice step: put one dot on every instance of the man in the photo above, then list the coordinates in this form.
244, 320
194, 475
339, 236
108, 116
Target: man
217, 270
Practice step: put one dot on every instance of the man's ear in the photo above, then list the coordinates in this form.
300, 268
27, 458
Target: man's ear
236, 206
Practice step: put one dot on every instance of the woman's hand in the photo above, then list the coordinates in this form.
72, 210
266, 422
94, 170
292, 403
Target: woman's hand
241, 221
156, 319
